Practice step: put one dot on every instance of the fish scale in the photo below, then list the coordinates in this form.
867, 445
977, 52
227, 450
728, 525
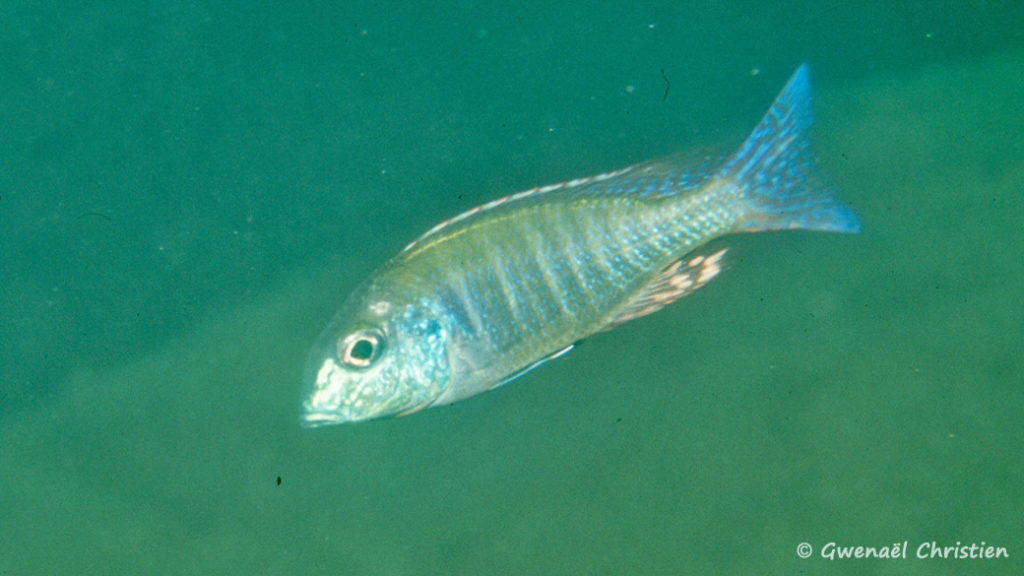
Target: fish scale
614, 253
487, 295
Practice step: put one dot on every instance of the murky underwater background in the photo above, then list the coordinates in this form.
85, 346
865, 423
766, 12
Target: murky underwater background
189, 190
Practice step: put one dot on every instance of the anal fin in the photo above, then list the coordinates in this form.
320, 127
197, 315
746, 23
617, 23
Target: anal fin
677, 280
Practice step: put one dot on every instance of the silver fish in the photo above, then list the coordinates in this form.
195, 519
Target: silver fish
486, 296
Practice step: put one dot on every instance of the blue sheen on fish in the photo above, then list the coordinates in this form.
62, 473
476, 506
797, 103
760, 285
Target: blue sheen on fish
484, 297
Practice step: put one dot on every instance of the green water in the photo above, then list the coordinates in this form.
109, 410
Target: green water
187, 192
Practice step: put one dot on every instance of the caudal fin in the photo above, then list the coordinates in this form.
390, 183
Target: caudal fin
774, 168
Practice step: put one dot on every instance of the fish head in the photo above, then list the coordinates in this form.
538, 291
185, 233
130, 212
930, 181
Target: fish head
377, 358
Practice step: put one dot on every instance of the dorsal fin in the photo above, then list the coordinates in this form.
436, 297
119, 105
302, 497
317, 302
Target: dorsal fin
533, 192
677, 280
675, 174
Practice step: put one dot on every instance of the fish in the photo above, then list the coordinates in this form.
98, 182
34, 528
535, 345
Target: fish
492, 293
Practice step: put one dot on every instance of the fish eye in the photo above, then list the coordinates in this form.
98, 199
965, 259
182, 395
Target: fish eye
360, 349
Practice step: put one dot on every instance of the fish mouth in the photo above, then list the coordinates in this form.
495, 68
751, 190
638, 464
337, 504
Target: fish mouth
319, 419
316, 416
325, 400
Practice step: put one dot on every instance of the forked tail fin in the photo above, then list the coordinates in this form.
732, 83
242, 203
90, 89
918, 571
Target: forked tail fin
774, 168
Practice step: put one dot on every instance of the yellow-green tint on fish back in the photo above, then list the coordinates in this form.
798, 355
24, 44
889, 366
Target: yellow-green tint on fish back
489, 294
